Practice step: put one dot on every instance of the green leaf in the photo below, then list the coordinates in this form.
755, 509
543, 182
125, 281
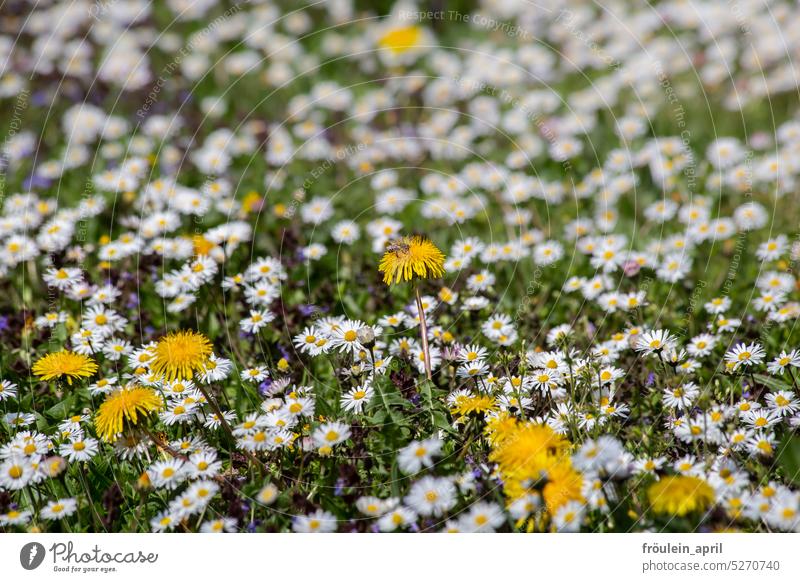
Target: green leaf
353, 308
772, 383
386, 398
426, 391
61, 334
441, 422
789, 457
395, 481
61, 410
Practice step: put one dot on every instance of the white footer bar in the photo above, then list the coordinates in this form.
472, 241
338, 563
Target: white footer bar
354, 557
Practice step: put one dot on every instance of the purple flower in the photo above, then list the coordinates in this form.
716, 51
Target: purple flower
39, 99
133, 301
307, 310
263, 388
451, 353
34, 182
631, 268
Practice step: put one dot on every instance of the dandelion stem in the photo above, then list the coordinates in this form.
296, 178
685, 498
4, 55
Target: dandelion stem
98, 523
423, 332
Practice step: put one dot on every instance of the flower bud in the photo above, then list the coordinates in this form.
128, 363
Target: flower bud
366, 337
53, 466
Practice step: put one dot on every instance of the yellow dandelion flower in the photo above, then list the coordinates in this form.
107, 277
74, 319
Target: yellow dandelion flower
143, 482
401, 39
465, 405
529, 451
252, 202
280, 210
679, 495
409, 256
64, 364
564, 484
499, 427
179, 355
125, 405
202, 246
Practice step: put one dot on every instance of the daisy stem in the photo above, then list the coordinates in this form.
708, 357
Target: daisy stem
794, 380
423, 331
139, 509
95, 516
28, 496
200, 519
223, 421
379, 389
756, 393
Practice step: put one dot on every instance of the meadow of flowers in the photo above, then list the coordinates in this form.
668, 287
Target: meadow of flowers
352, 266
